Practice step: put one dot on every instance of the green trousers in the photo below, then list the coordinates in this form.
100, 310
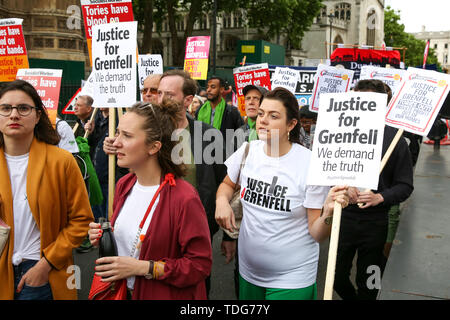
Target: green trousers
248, 291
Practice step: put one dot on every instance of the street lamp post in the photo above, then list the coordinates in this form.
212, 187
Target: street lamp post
214, 35
330, 17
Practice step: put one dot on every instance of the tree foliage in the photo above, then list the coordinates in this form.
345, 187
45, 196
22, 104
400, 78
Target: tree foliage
395, 36
271, 18
282, 17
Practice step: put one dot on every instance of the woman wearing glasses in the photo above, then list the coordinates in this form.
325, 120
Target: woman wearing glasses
48, 216
160, 225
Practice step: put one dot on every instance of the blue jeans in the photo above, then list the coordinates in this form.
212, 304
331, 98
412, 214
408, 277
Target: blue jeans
43, 292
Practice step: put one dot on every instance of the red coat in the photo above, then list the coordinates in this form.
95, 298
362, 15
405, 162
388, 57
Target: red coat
178, 235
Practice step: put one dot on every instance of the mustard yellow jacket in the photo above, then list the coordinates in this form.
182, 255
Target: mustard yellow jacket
60, 206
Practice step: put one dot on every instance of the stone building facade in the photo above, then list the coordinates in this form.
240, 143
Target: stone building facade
52, 28
352, 22
355, 22
440, 42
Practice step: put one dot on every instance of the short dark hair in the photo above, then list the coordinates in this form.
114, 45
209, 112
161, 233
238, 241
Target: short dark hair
222, 82
290, 102
43, 131
388, 91
370, 85
189, 84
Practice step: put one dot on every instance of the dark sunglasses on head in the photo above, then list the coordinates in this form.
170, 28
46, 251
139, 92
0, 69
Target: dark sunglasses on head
152, 90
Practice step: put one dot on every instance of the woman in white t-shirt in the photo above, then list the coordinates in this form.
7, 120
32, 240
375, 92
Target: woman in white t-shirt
160, 225
284, 219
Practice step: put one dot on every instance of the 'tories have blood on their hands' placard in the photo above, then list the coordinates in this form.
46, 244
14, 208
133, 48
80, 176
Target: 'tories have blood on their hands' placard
47, 83
97, 12
13, 51
348, 140
255, 74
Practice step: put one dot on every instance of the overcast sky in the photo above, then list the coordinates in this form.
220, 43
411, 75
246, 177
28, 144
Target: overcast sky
433, 14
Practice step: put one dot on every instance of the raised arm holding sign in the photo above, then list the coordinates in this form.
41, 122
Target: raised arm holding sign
364, 229
114, 69
346, 151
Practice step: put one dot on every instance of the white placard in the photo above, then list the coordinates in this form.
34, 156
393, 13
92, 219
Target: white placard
348, 140
114, 64
329, 79
87, 87
392, 77
418, 101
285, 78
149, 64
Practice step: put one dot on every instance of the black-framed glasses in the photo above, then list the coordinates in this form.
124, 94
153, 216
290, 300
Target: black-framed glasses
23, 109
152, 90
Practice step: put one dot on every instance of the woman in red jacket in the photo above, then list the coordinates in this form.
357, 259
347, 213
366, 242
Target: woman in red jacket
164, 248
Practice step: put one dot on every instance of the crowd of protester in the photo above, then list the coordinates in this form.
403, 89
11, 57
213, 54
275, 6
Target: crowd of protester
173, 195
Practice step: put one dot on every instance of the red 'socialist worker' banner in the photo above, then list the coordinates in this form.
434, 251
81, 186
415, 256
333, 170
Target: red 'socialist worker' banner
104, 11
13, 51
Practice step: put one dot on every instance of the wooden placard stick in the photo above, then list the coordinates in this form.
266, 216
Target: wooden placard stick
391, 148
75, 127
94, 113
120, 112
111, 165
332, 252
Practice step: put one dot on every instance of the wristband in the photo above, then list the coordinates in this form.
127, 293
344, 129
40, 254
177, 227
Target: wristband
149, 275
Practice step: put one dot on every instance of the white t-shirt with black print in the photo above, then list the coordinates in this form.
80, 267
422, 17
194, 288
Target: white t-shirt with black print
276, 249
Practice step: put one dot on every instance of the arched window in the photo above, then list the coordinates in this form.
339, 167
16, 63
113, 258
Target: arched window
203, 24
371, 27
225, 22
337, 40
237, 20
342, 11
